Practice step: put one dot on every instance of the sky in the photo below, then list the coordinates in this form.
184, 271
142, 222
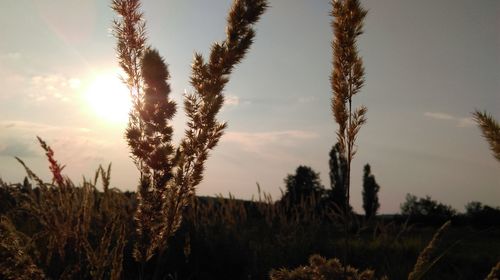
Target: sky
429, 64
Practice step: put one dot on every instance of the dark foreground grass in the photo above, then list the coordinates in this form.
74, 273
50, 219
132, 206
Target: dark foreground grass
235, 239
255, 244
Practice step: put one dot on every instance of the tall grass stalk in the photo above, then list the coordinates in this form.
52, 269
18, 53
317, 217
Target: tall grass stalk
75, 227
494, 273
170, 173
347, 79
15, 262
427, 258
491, 131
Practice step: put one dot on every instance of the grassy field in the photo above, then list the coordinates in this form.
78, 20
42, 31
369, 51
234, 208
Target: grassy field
234, 239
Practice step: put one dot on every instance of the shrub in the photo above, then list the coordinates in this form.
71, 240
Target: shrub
15, 262
73, 230
426, 210
321, 269
482, 215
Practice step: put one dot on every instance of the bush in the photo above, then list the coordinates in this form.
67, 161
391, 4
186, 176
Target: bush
482, 215
319, 268
426, 210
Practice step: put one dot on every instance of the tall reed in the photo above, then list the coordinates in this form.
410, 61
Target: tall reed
491, 131
347, 77
427, 257
75, 226
170, 173
15, 262
494, 273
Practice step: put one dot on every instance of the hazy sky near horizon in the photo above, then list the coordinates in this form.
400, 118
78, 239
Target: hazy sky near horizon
428, 65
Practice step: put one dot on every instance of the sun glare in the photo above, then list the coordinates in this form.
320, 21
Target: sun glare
109, 98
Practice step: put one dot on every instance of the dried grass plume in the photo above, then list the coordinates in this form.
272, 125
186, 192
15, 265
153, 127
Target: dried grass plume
169, 173
491, 131
428, 256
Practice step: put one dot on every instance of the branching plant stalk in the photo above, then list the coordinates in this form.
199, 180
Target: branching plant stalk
347, 79
170, 173
349, 159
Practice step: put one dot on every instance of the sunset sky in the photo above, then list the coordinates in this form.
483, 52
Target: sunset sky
429, 64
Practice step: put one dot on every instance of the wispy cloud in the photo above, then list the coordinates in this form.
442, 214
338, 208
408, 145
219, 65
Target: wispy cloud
10, 80
466, 122
438, 116
11, 56
273, 144
52, 86
458, 121
231, 100
287, 137
18, 79
306, 99
17, 148
70, 143
34, 127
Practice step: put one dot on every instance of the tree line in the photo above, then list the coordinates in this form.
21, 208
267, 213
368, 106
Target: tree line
305, 185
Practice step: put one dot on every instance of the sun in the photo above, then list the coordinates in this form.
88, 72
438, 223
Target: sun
108, 97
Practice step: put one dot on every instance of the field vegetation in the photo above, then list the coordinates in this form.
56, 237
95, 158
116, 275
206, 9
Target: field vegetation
64, 230
227, 238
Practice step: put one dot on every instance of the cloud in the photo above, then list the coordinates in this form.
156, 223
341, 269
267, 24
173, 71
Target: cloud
11, 56
16, 81
11, 81
306, 99
267, 143
439, 116
231, 100
75, 145
258, 138
12, 148
466, 122
22, 125
35, 128
74, 83
80, 149
52, 86
459, 121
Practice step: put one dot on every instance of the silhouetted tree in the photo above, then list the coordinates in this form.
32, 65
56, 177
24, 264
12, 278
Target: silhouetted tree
304, 184
480, 214
473, 208
338, 172
370, 193
26, 186
426, 209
